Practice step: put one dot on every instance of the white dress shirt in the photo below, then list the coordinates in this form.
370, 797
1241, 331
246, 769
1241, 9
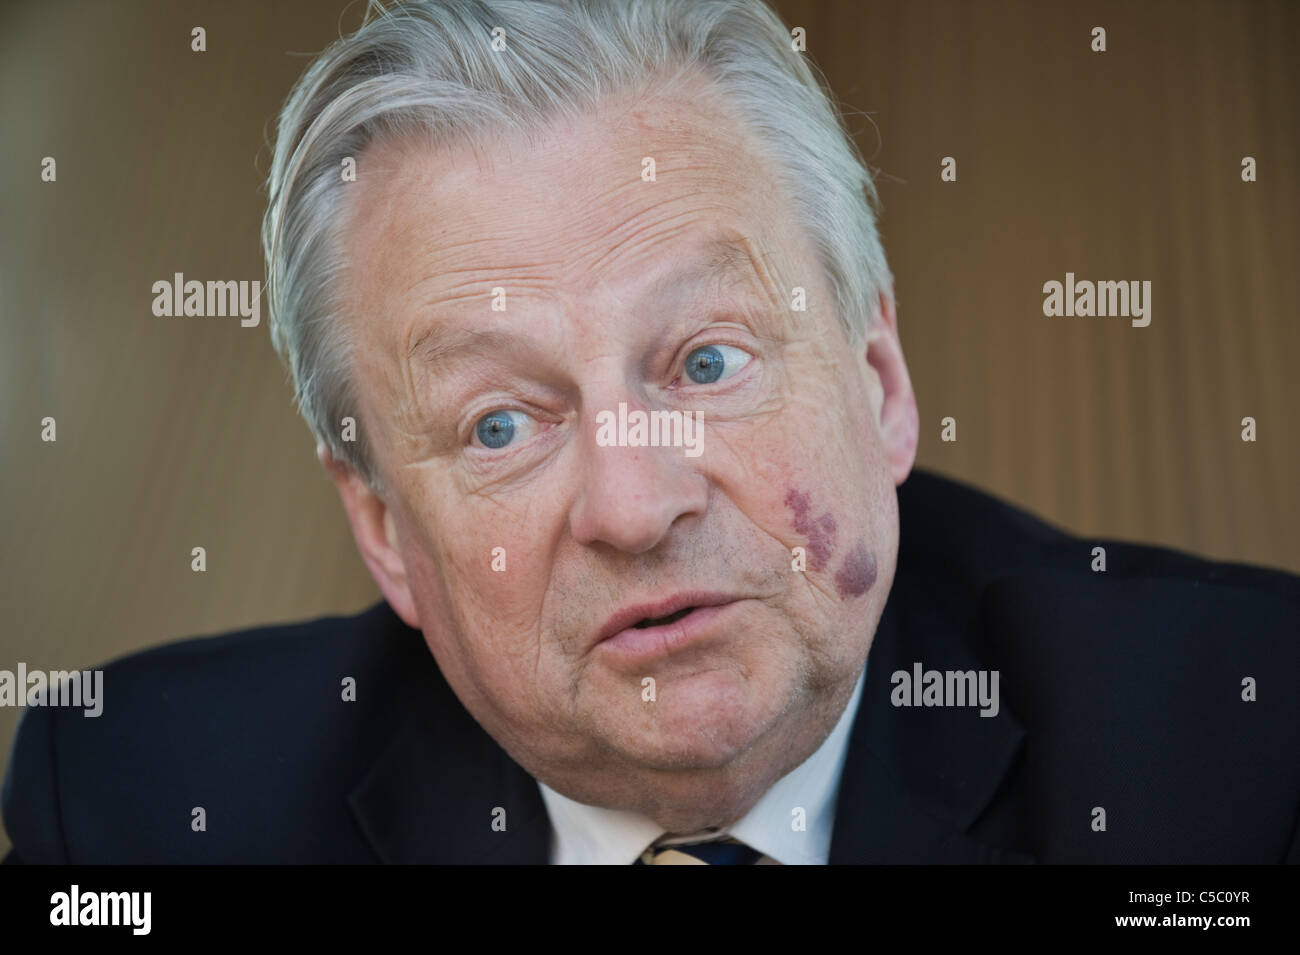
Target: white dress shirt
590, 835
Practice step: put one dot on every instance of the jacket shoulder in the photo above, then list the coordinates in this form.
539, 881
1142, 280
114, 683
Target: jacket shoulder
235, 724
979, 537
1159, 687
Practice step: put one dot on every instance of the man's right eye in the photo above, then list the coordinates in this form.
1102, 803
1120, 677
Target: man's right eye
496, 429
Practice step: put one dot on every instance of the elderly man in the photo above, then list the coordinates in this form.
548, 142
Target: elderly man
586, 307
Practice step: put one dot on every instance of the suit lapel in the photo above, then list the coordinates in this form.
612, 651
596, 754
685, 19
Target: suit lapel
916, 778
435, 790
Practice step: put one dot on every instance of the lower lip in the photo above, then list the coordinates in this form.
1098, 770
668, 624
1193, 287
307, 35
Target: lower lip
637, 645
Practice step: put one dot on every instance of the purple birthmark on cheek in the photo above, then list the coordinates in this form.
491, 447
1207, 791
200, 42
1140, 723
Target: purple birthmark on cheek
820, 531
858, 573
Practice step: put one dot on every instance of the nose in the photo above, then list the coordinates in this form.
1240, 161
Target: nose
630, 497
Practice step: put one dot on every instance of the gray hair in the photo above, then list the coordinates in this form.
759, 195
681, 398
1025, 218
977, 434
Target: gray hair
428, 68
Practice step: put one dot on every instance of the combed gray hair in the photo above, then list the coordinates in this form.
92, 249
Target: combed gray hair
429, 68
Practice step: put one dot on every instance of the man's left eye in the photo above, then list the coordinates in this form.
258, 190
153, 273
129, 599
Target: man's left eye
715, 362
499, 428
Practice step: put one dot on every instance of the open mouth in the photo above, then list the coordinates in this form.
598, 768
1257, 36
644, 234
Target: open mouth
674, 618
646, 622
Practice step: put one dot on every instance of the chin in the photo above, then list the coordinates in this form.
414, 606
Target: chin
707, 720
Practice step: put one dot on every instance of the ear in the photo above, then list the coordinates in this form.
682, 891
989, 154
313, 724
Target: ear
375, 532
893, 400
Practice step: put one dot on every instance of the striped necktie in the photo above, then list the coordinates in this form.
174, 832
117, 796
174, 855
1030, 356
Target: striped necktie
716, 852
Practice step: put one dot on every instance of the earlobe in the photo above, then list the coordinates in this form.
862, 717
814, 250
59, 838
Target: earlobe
899, 421
375, 531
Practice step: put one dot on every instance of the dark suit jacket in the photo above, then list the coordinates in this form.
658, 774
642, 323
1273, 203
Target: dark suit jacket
1120, 690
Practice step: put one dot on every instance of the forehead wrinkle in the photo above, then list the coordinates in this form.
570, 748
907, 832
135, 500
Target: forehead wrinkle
729, 258
423, 338
480, 288
660, 227
534, 272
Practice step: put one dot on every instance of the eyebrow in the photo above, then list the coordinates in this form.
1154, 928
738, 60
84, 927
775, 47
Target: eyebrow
436, 347
721, 260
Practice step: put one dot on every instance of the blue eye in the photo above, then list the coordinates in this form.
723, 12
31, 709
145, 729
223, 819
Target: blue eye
496, 429
714, 362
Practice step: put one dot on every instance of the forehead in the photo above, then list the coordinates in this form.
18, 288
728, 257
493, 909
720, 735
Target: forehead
723, 262
569, 208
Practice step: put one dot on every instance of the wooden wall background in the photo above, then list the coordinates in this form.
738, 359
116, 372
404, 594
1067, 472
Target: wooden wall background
1119, 165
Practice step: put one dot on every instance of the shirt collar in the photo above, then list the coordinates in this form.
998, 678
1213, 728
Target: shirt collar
591, 835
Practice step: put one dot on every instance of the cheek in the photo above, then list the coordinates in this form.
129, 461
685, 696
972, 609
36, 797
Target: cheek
478, 545
849, 555
478, 568
820, 531
858, 572
822, 488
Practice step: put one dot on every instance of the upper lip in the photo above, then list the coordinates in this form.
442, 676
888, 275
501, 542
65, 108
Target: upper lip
624, 618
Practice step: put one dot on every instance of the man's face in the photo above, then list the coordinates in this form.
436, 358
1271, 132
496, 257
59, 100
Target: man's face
514, 537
